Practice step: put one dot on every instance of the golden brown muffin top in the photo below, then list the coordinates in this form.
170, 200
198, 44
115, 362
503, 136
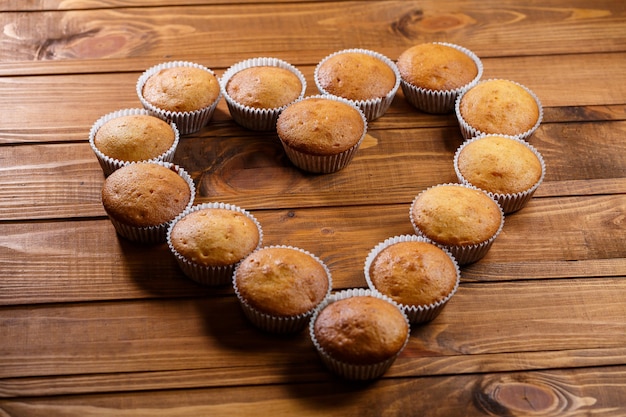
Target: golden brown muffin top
281, 281
215, 236
356, 76
181, 89
434, 66
264, 87
134, 138
499, 107
499, 165
413, 273
361, 330
145, 194
455, 215
320, 126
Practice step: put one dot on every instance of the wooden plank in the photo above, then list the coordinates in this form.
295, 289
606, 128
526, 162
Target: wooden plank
567, 392
220, 379
64, 180
133, 38
512, 326
48, 5
85, 260
97, 94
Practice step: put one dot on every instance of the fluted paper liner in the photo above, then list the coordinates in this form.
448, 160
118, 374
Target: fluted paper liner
326, 164
279, 324
464, 254
207, 274
416, 313
154, 234
440, 101
108, 164
189, 121
469, 132
251, 117
510, 202
348, 370
372, 108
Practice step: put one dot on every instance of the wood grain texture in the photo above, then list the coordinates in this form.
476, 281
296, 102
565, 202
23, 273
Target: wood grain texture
99, 94
94, 325
108, 338
137, 37
86, 260
552, 392
253, 171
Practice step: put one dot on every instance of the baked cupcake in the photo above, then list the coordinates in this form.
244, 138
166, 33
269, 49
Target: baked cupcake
434, 74
500, 107
359, 333
142, 198
182, 92
463, 219
507, 168
415, 273
208, 240
132, 135
258, 89
279, 287
367, 78
321, 134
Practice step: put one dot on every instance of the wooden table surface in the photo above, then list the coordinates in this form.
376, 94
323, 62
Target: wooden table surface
94, 325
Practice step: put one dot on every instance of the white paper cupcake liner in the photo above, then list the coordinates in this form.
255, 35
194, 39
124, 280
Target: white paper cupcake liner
373, 108
509, 202
154, 234
187, 122
440, 101
206, 274
360, 372
416, 313
108, 164
279, 324
469, 132
326, 164
464, 254
250, 117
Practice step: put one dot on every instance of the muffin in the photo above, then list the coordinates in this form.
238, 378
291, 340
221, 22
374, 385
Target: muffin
321, 134
434, 74
463, 219
210, 239
183, 92
132, 135
279, 287
142, 198
415, 273
367, 78
500, 107
258, 89
358, 334
507, 168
